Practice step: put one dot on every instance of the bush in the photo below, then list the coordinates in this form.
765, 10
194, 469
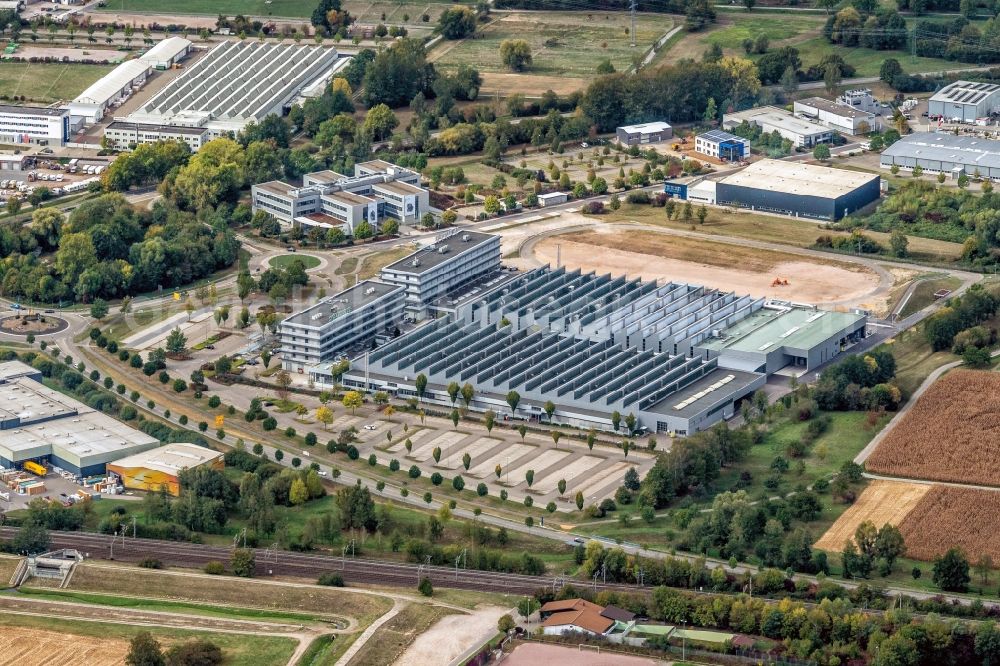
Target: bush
310, 439
150, 563
638, 197
289, 432
436, 479
425, 587
214, 401
269, 423
458, 483
215, 568
414, 472
331, 580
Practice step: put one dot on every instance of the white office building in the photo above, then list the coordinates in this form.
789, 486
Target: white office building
328, 199
341, 324
447, 266
22, 125
125, 135
802, 132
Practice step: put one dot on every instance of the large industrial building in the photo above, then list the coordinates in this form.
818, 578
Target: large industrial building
597, 344
160, 468
39, 424
802, 132
965, 101
944, 153
801, 190
328, 199
109, 92
340, 323
234, 84
837, 116
41, 126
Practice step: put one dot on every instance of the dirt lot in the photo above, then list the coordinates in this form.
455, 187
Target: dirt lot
881, 502
532, 85
450, 637
74, 55
950, 433
948, 516
664, 257
34, 647
558, 655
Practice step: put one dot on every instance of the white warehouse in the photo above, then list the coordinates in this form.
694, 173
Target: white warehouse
118, 84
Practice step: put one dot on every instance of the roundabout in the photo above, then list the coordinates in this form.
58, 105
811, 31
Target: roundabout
32, 324
285, 260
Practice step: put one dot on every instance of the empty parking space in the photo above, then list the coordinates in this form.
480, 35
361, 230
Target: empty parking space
578, 467
613, 474
537, 463
511, 453
444, 441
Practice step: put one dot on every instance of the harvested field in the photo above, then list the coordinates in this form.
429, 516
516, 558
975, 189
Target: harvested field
950, 433
656, 256
35, 647
950, 516
881, 502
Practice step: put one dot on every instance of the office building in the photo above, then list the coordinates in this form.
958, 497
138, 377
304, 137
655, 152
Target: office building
836, 116
965, 101
803, 133
722, 145
341, 324
451, 264
327, 199
944, 153
801, 190
124, 135
33, 125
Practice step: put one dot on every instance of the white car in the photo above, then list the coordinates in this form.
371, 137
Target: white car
305, 453
322, 472
371, 426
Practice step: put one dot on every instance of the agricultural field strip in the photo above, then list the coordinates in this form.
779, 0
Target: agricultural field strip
475, 449
881, 502
445, 441
20, 645
487, 467
570, 472
952, 516
539, 464
951, 434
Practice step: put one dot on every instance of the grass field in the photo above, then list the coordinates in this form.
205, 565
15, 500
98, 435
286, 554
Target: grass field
923, 293
7, 565
239, 649
365, 12
48, 82
950, 434
373, 263
568, 44
230, 591
393, 637
882, 502
788, 231
285, 260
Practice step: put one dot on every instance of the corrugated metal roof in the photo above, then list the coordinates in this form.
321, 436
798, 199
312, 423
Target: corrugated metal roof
113, 82
168, 49
968, 150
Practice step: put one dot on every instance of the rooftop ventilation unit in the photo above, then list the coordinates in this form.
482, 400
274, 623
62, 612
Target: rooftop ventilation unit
416, 262
466, 238
369, 291
443, 249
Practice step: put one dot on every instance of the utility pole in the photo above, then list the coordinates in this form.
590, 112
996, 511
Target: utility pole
633, 5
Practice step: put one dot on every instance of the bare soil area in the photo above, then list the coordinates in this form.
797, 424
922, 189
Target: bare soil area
450, 637
531, 85
653, 256
532, 654
882, 502
34, 647
74, 54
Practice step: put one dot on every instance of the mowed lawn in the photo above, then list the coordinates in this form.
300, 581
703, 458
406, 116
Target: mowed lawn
47, 82
562, 43
366, 12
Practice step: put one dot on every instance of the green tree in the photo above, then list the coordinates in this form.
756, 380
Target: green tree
352, 400
380, 121
99, 309
243, 561
425, 587
579, 500
176, 342
453, 390
489, 420
513, 399
468, 392
899, 243
457, 22
515, 54
951, 571
144, 650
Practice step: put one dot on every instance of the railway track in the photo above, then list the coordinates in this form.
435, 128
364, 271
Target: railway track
271, 563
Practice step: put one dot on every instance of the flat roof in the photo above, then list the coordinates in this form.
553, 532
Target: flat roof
163, 129
349, 197
398, 187
552, 195
646, 128
170, 458
719, 136
430, 256
30, 401
276, 187
378, 165
699, 395
968, 150
84, 435
32, 110
798, 178
326, 175
338, 305
965, 92
769, 329
14, 369
833, 107
778, 118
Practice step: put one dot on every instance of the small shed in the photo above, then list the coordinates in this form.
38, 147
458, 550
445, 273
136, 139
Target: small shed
552, 198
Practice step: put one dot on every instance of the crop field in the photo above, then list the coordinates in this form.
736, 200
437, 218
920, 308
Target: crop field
951, 516
48, 82
19, 645
950, 433
882, 502
563, 44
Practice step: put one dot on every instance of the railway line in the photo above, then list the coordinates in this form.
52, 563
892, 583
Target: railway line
270, 562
